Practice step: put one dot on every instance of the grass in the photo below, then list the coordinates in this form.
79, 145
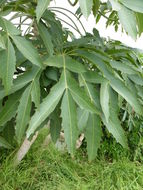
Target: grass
49, 169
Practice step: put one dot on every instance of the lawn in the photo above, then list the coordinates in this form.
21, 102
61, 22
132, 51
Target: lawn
46, 168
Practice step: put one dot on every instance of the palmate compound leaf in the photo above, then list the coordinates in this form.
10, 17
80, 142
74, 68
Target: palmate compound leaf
117, 84
7, 65
8, 111
28, 50
46, 107
41, 7
69, 121
21, 81
73, 93
93, 133
78, 94
70, 64
86, 7
23, 113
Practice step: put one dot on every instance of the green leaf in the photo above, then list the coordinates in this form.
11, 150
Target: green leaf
70, 64
21, 81
2, 42
46, 38
93, 134
55, 125
55, 128
104, 99
91, 91
113, 125
69, 121
79, 95
7, 66
93, 77
128, 21
140, 91
4, 143
41, 7
115, 5
82, 116
123, 67
8, 27
20, 59
46, 107
87, 89
135, 5
136, 79
27, 49
139, 17
9, 109
5, 12
35, 92
86, 7
96, 5
52, 73
115, 82
9, 131
23, 114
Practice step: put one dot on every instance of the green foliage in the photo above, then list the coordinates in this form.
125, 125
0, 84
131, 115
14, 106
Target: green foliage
69, 123
104, 99
93, 134
46, 38
23, 113
46, 107
80, 85
26, 48
7, 70
41, 7
9, 108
